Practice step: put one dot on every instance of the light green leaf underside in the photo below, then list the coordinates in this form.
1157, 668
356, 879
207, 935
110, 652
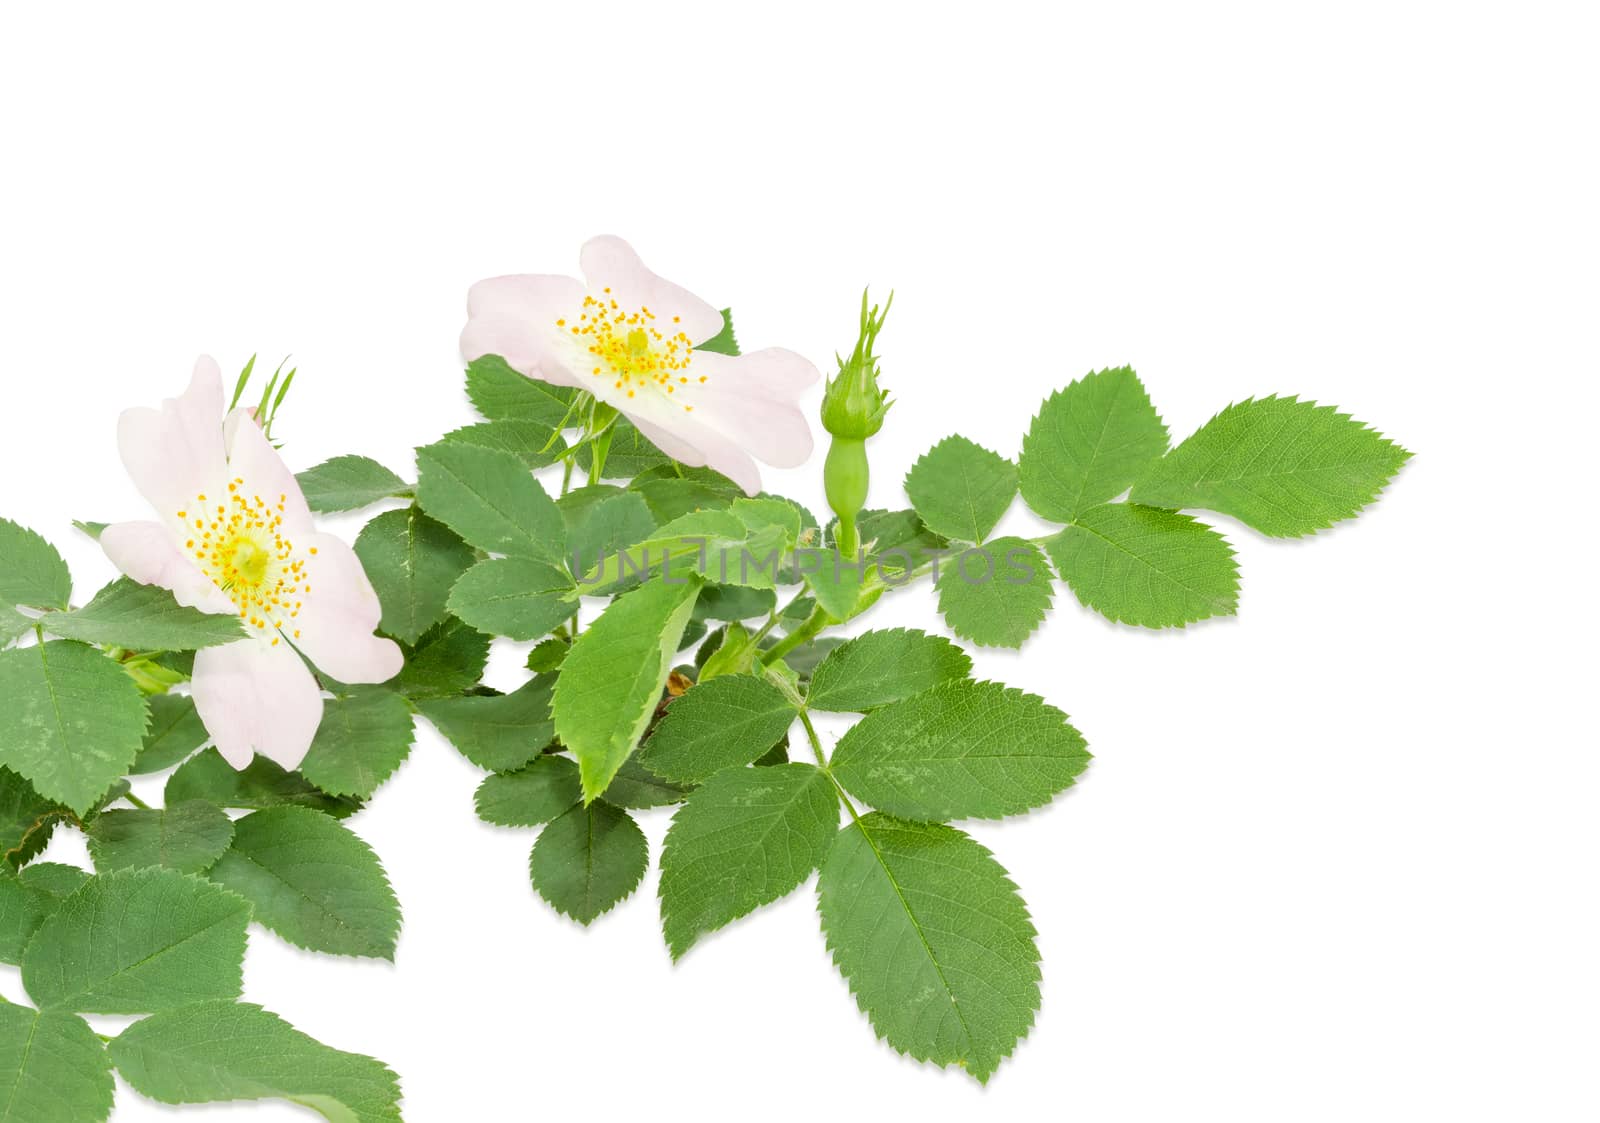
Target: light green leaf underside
138, 941
53, 1068
187, 837
363, 738
1089, 443
175, 731
218, 1051
72, 722
880, 667
961, 489
500, 732
312, 881
743, 839
536, 794
1280, 465
728, 721
933, 939
1146, 566
348, 483
31, 571
961, 750
412, 562
488, 498
612, 678
997, 595
588, 859
500, 393
521, 598
142, 617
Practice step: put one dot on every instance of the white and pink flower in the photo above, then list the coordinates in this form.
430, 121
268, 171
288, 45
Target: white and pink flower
628, 337
235, 537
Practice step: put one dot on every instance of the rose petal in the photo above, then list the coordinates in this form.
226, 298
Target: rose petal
609, 262
148, 553
252, 459
532, 347
176, 452
338, 616
254, 697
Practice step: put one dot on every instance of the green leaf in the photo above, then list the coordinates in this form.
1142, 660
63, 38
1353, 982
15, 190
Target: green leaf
588, 859
548, 655
880, 667
961, 750
961, 489
676, 492
842, 586
530, 796
1146, 566
363, 738
412, 562
997, 595
31, 572
187, 837
13, 624
28, 899
630, 453
57, 879
53, 1068
448, 659
1280, 465
936, 945
637, 788
72, 721
216, 1051
26, 818
733, 602
724, 342
260, 784
745, 838
503, 394
497, 732
728, 721
521, 598
312, 881
348, 483
488, 497
143, 617
1089, 443
601, 520
611, 681
137, 941
895, 541
174, 733
727, 547
532, 442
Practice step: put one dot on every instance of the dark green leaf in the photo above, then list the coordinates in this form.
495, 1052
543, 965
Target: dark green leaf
412, 562
530, 796
143, 617
589, 859
347, 483
498, 732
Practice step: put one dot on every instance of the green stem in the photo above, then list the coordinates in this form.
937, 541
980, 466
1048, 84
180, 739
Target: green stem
804, 634
811, 735
822, 763
137, 802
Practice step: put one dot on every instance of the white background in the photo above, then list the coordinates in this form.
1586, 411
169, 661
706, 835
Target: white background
1335, 857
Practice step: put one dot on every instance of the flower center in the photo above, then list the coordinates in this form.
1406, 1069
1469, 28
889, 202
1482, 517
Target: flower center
630, 348
241, 546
